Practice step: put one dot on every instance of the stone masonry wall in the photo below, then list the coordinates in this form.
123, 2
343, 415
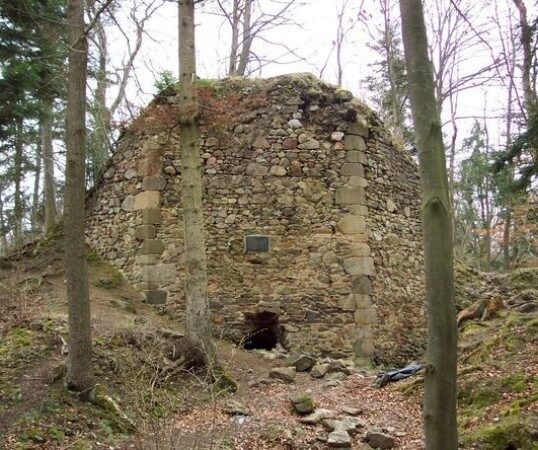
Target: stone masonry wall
293, 159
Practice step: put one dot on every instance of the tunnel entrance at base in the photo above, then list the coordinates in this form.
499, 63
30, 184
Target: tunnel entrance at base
262, 331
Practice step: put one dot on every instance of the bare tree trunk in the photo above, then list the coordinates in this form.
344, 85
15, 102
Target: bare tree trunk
79, 376
37, 181
247, 39
197, 315
440, 380
3, 227
340, 13
526, 43
18, 206
235, 37
48, 164
100, 112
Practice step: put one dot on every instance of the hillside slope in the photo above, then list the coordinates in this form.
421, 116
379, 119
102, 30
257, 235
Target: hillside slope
156, 403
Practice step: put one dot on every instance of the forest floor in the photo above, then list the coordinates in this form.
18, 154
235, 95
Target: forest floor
159, 405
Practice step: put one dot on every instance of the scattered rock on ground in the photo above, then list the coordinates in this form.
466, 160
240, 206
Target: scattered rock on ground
260, 382
351, 411
302, 362
335, 376
377, 439
347, 424
302, 404
286, 374
339, 439
319, 370
317, 416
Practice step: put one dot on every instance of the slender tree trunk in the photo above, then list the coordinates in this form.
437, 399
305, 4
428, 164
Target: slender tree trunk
197, 315
440, 380
247, 39
79, 376
232, 68
526, 43
37, 182
506, 235
3, 227
100, 112
48, 164
18, 202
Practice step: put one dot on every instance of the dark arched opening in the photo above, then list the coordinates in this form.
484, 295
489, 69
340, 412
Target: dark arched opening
262, 330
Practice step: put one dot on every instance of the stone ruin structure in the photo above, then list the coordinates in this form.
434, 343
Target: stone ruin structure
312, 218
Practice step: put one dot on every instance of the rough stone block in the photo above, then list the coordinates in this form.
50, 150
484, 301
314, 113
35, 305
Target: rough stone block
152, 216
156, 183
359, 128
159, 273
147, 286
354, 142
351, 224
364, 347
256, 170
359, 249
352, 169
147, 199
365, 316
350, 196
391, 206
261, 143
358, 210
311, 144
143, 260
359, 265
128, 203
357, 182
362, 301
278, 171
347, 303
145, 232
130, 173
156, 297
356, 156
152, 247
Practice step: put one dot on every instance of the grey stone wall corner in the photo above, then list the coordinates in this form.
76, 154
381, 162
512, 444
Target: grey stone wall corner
149, 260
358, 263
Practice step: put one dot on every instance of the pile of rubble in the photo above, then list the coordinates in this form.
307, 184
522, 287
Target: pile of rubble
333, 371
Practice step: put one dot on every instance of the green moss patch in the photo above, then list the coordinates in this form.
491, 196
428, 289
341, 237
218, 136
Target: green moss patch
509, 433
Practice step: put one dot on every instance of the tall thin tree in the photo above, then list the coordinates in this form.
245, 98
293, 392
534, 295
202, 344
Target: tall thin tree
440, 384
80, 377
197, 316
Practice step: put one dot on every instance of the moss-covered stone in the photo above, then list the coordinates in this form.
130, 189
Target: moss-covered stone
303, 404
509, 433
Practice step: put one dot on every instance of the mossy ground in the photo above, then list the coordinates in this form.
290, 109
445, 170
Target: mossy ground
138, 384
497, 401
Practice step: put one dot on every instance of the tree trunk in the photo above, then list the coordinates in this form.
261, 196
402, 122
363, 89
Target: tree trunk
232, 67
247, 39
48, 164
526, 44
37, 182
18, 202
197, 315
3, 226
100, 112
440, 380
79, 376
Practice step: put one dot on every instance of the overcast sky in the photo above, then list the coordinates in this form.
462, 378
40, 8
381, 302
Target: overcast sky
311, 38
